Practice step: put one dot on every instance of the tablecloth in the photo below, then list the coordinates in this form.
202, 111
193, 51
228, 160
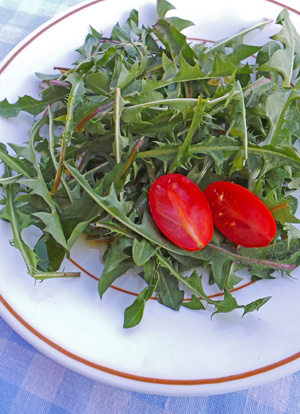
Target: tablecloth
31, 383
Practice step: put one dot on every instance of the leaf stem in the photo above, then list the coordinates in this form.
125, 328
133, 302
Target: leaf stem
129, 160
51, 150
79, 127
54, 275
67, 134
247, 259
117, 119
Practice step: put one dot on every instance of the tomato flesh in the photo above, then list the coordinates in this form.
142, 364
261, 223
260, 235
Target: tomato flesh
240, 215
181, 211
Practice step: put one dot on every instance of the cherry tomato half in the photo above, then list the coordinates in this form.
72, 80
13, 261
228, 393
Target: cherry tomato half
240, 215
181, 211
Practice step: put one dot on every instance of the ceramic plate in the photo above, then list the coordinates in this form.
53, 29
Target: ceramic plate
172, 353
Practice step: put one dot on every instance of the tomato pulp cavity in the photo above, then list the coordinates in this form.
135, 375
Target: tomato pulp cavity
181, 211
240, 215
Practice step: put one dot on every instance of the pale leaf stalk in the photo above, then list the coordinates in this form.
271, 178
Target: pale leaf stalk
117, 119
54, 275
245, 133
52, 154
67, 134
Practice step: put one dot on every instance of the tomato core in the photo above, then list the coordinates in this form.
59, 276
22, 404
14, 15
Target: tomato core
181, 211
240, 215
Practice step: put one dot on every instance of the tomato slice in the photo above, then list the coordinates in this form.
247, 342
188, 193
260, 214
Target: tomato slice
240, 215
181, 211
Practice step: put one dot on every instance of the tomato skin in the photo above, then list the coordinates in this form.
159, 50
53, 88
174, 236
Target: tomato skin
181, 211
240, 215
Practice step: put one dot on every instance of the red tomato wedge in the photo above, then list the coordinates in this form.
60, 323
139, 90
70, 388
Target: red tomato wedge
181, 211
240, 215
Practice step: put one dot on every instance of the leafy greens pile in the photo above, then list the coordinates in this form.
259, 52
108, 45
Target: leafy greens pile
142, 103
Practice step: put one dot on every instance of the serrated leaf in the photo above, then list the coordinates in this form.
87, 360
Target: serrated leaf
226, 305
31, 105
255, 305
19, 222
194, 303
15, 164
282, 60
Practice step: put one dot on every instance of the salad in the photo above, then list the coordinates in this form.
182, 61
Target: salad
143, 104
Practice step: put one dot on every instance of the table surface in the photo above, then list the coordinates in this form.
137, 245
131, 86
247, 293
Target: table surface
31, 383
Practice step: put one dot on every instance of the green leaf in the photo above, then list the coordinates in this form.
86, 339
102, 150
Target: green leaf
255, 305
51, 220
134, 313
282, 60
194, 303
281, 210
31, 105
167, 290
19, 222
142, 251
162, 7
98, 82
15, 164
183, 154
178, 23
115, 265
226, 305
174, 41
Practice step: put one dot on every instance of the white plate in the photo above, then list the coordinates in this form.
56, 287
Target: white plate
171, 353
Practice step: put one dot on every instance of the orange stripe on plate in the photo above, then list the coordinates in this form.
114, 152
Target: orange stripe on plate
140, 378
103, 368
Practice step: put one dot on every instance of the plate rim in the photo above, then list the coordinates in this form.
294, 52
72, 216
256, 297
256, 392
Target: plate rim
172, 387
